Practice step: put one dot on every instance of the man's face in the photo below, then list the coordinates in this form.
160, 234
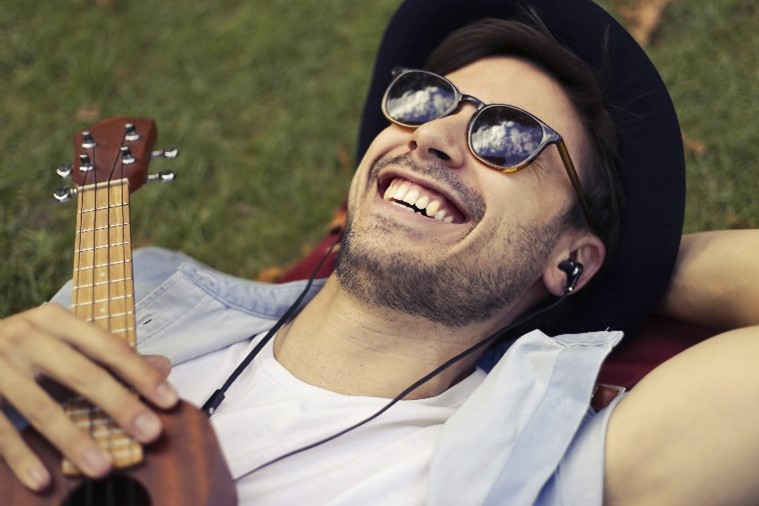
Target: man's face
485, 237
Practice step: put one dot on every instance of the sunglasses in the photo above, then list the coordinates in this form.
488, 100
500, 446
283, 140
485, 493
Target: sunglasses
503, 137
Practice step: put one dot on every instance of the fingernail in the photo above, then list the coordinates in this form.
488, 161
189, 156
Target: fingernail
96, 460
147, 426
39, 477
167, 394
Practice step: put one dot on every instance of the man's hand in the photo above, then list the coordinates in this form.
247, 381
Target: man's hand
51, 342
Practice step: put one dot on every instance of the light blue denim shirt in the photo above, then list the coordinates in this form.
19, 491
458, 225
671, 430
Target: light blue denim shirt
525, 436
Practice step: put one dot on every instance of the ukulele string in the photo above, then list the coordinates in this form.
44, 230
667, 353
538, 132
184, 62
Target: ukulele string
115, 271
89, 487
77, 282
121, 240
131, 486
92, 281
108, 280
112, 263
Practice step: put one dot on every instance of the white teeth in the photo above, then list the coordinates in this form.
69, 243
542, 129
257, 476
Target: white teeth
411, 197
405, 192
432, 208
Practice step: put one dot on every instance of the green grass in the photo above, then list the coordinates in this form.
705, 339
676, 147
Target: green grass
264, 98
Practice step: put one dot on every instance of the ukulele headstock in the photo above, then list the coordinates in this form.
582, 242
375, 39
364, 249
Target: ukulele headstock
114, 149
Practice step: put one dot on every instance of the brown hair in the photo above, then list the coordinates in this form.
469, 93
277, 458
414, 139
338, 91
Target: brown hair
582, 84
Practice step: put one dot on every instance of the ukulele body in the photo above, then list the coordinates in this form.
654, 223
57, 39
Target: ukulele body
184, 466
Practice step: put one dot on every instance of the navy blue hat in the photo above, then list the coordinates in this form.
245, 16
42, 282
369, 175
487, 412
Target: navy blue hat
651, 162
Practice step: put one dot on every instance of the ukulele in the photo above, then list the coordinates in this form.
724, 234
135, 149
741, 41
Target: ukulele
185, 465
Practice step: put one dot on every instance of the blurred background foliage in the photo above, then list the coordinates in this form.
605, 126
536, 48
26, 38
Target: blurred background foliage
264, 98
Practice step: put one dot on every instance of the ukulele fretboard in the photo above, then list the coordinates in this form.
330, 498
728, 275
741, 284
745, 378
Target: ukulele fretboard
103, 294
103, 288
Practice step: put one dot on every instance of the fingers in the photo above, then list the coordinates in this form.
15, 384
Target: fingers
52, 342
47, 416
23, 463
96, 344
50, 420
91, 381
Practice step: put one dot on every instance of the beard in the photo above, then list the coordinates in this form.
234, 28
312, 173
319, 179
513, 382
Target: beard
455, 293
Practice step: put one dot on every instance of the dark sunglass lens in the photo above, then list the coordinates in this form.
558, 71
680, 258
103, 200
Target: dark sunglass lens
505, 136
417, 97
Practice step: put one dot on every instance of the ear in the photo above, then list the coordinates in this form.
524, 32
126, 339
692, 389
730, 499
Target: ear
587, 250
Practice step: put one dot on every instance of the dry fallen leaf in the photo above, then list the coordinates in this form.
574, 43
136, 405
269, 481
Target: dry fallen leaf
338, 220
269, 275
642, 18
693, 146
88, 113
344, 159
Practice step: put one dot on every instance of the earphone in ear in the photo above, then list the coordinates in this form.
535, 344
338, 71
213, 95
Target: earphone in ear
574, 271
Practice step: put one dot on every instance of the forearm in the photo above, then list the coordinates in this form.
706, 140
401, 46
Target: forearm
716, 279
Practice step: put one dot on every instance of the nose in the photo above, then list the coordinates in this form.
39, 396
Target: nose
444, 140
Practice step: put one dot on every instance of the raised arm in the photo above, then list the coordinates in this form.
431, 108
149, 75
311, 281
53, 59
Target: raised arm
716, 280
686, 434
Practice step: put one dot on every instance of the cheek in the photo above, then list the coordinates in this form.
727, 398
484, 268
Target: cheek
520, 200
391, 141
543, 191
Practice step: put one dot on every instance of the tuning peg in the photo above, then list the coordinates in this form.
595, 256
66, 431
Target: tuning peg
87, 141
170, 152
85, 164
64, 194
164, 177
64, 170
130, 133
127, 158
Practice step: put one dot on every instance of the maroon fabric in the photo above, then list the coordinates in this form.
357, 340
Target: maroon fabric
657, 340
304, 268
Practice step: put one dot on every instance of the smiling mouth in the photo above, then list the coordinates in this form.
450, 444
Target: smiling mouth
421, 200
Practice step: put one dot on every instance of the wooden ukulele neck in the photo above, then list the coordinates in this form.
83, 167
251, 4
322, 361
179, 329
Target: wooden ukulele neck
102, 286
103, 293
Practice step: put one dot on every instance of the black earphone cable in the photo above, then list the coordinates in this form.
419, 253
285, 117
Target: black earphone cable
477, 346
213, 402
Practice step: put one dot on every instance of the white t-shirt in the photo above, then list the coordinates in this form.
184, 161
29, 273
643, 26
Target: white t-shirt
269, 412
